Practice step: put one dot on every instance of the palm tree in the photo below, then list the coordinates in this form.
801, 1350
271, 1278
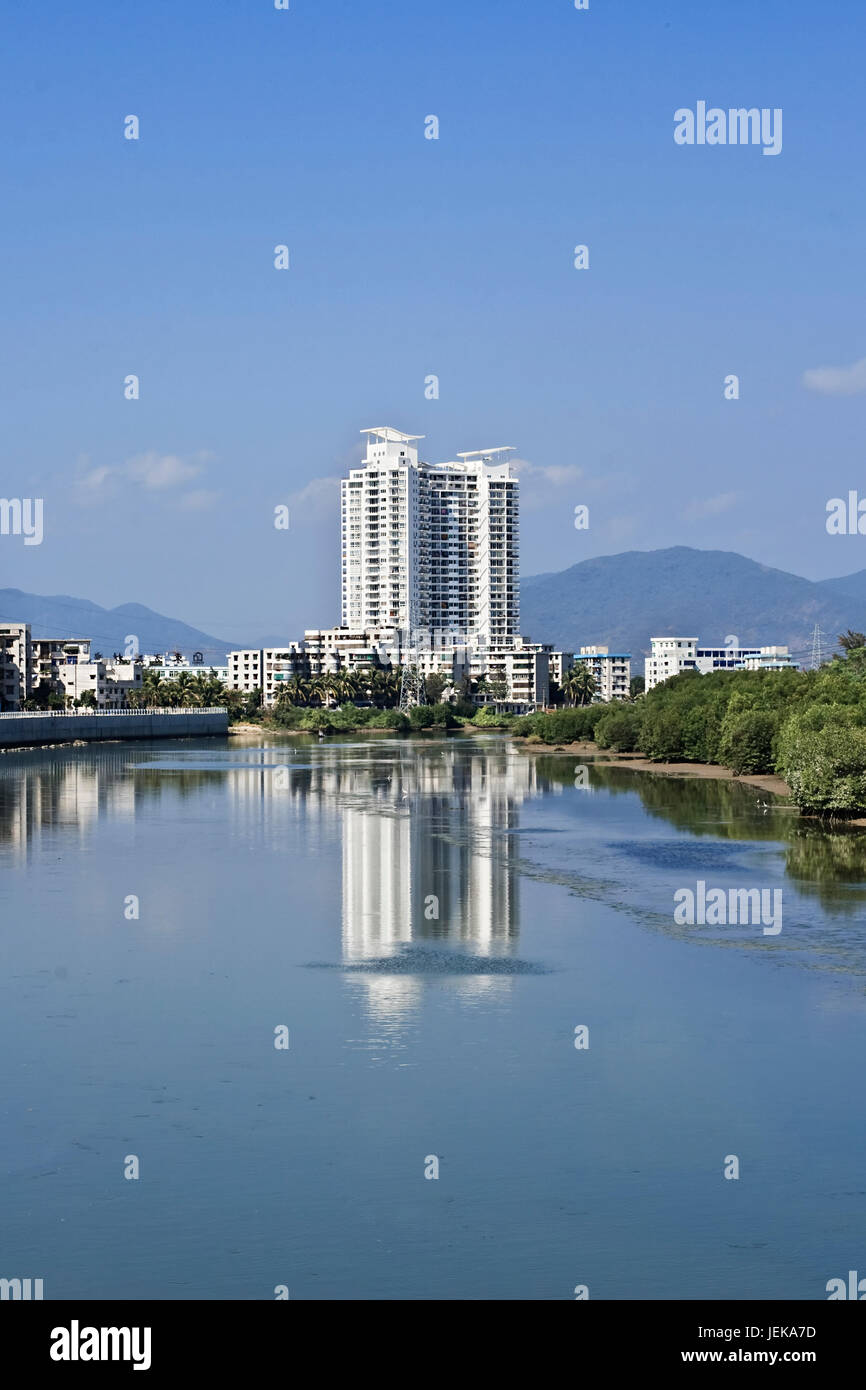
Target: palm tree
583, 683
355, 685
152, 689
293, 692
333, 686
184, 687
850, 641
568, 686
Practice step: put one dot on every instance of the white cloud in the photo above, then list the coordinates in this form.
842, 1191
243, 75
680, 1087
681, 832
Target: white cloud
539, 483
156, 473
94, 480
837, 381
709, 506
555, 474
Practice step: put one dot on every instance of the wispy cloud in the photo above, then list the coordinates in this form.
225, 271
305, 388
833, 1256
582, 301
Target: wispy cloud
555, 474
837, 381
540, 484
159, 471
155, 473
709, 506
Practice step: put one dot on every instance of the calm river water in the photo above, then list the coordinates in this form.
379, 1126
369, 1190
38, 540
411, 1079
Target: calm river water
428, 920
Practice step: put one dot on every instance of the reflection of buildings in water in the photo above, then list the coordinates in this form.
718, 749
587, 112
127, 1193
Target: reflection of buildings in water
429, 863
61, 793
427, 859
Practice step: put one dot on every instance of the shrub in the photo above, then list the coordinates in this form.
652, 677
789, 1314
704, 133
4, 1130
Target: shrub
389, 719
421, 717
746, 740
619, 728
488, 718
825, 768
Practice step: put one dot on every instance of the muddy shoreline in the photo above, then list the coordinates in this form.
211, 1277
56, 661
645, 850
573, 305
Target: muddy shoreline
767, 782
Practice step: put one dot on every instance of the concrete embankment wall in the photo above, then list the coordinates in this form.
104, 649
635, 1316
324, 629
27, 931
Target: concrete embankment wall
29, 730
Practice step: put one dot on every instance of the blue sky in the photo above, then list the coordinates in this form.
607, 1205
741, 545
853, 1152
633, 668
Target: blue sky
412, 257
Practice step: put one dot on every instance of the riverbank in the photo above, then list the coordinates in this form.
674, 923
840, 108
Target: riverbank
605, 758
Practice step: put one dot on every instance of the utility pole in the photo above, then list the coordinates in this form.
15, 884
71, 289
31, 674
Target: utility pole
817, 648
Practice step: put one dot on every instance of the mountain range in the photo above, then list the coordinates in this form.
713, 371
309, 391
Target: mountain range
59, 615
620, 601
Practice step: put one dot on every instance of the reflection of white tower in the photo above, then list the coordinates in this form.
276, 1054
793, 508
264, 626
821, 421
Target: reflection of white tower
377, 865
425, 862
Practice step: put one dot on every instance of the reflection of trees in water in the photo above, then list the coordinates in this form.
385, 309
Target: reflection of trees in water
824, 862
702, 805
825, 866
68, 789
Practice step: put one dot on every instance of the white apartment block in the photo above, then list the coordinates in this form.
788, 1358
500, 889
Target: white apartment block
671, 655
110, 682
525, 670
611, 670
14, 665
265, 669
668, 657
49, 656
330, 649
430, 548
245, 669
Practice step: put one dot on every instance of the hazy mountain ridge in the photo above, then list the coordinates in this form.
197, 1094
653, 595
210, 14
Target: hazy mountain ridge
624, 600
61, 615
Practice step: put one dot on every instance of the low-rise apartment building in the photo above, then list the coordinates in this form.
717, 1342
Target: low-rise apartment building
50, 656
265, 669
671, 655
525, 670
611, 672
110, 682
14, 665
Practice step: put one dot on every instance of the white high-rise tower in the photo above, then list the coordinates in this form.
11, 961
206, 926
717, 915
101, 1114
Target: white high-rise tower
430, 549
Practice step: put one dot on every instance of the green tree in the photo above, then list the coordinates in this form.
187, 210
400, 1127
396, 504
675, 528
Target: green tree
746, 740
435, 684
619, 728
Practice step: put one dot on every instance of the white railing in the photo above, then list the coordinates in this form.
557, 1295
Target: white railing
77, 713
